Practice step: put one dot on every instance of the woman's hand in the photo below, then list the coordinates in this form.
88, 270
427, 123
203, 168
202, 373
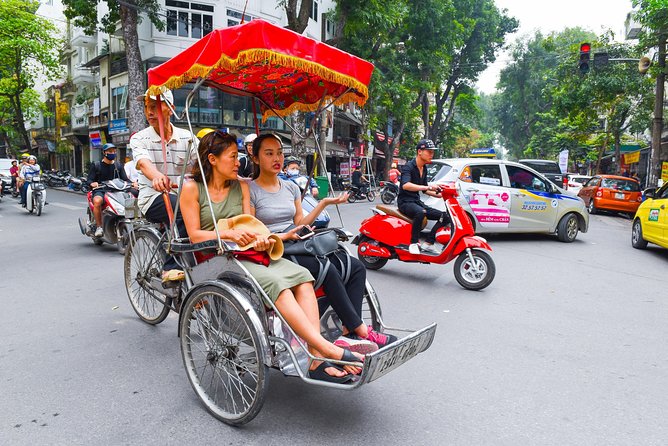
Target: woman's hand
341, 198
292, 233
241, 237
263, 243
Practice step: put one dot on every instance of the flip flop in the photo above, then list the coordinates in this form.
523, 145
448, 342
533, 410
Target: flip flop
320, 374
349, 357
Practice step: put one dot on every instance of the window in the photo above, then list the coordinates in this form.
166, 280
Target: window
523, 179
314, 11
663, 192
593, 182
119, 102
234, 17
482, 174
186, 19
616, 184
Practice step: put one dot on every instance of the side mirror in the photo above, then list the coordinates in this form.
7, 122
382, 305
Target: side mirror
649, 192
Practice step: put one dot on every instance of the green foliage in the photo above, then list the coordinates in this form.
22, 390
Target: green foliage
28, 49
653, 16
84, 14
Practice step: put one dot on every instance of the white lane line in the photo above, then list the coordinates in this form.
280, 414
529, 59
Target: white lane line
66, 206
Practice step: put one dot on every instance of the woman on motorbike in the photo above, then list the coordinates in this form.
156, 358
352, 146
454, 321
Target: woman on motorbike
277, 203
28, 171
288, 285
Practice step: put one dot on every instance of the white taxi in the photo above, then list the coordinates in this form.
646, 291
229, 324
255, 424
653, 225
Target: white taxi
504, 196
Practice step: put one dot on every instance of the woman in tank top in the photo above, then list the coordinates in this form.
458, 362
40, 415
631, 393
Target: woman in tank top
288, 285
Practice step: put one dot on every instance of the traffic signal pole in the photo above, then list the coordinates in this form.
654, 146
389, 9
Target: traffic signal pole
657, 123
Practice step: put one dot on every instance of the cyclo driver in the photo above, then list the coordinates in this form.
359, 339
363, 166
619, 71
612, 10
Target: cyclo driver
105, 170
414, 181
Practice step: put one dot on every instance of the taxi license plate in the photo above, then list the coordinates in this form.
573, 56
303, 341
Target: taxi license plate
619, 196
400, 352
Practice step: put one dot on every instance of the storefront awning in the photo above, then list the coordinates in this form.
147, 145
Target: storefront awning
347, 117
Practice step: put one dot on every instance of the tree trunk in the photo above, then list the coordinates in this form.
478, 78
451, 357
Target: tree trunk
389, 151
20, 125
136, 72
618, 154
298, 143
298, 20
657, 124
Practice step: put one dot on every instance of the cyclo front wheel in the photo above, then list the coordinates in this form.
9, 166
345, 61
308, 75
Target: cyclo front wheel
222, 355
143, 261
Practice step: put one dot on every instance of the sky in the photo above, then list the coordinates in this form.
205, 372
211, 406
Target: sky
551, 15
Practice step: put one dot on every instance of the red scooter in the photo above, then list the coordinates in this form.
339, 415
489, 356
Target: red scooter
387, 235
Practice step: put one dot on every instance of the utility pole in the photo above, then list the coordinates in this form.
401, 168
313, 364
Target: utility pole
657, 123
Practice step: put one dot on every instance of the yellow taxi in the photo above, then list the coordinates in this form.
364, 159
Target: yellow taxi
650, 223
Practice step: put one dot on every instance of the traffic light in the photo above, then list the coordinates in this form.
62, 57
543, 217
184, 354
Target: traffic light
585, 56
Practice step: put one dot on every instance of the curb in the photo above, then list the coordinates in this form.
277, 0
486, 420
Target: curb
67, 189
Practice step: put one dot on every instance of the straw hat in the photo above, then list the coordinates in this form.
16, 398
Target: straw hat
252, 224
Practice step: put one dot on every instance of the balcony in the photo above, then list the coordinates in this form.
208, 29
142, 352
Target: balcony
79, 39
79, 117
82, 77
631, 27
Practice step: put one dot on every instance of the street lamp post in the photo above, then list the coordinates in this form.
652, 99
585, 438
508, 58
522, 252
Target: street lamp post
657, 123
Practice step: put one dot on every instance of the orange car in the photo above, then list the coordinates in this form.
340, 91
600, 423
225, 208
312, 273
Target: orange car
612, 193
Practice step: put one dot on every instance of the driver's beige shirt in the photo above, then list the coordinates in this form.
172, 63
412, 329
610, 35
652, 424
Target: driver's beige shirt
145, 144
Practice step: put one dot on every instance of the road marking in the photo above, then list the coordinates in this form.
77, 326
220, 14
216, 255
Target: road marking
66, 206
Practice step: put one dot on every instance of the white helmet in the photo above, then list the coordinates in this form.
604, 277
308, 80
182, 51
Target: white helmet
250, 138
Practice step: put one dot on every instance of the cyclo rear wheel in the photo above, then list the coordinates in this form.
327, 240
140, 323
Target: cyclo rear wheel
222, 355
143, 261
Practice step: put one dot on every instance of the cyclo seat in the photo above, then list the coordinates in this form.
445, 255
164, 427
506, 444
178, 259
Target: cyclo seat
394, 211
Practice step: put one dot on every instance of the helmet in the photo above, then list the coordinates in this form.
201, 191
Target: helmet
108, 146
394, 165
425, 144
32, 158
292, 159
25, 156
202, 133
250, 138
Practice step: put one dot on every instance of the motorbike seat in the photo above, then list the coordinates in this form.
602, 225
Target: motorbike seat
394, 211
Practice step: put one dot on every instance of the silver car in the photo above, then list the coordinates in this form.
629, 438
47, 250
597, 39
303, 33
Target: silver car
504, 196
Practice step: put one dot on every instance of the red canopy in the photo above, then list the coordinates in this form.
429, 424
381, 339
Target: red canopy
286, 70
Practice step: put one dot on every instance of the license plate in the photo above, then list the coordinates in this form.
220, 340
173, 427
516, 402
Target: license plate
388, 359
619, 196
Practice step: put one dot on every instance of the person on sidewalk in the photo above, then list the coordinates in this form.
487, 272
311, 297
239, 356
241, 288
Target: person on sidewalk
158, 172
105, 170
414, 181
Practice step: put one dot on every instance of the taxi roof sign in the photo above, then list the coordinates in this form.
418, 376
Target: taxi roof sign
483, 153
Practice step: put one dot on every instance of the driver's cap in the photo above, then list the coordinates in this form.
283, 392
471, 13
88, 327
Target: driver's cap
166, 95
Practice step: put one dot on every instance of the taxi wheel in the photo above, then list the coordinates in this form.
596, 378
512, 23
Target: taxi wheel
592, 207
637, 241
568, 227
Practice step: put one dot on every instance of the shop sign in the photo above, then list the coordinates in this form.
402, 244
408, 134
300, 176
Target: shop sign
631, 158
344, 168
118, 126
664, 171
95, 137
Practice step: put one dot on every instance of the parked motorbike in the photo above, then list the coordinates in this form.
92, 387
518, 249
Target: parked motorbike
36, 195
76, 183
115, 223
388, 192
387, 235
57, 178
360, 193
309, 203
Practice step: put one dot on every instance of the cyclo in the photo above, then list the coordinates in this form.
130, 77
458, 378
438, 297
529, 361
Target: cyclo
230, 331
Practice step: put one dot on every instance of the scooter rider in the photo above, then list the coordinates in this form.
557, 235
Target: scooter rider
28, 170
105, 170
414, 181
291, 172
245, 163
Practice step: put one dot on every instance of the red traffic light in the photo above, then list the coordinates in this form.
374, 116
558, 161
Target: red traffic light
585, 47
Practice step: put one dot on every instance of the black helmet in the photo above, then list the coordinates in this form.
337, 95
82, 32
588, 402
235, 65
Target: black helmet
292, 159
425, 144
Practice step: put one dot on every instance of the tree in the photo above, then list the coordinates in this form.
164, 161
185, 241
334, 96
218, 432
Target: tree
84, 14
28, 49
653, 15
298, 12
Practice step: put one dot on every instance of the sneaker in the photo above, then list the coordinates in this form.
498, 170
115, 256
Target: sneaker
414, 248
362, 346
99, 232
173, 275
380, 339
429, 248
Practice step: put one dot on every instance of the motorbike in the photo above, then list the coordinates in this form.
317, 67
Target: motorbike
35, 195
54, 178
76, 183
360, 193
387, 234
388, 192
115, 223
309, 203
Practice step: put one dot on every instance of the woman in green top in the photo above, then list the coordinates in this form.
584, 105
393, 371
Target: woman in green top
288, 285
